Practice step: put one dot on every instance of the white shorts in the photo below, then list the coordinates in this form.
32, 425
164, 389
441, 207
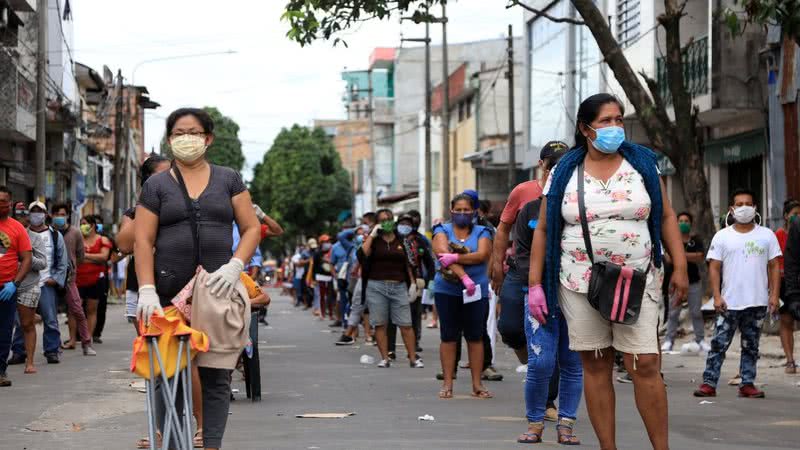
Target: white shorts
131, 301
588, 331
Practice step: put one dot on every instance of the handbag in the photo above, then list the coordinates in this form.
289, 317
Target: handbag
615, 291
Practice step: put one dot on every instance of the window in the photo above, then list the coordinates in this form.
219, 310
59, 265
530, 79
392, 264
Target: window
628, 21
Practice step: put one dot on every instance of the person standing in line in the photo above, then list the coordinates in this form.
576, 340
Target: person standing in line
628, 215
15, 263
340, 259
387, 285
321, 276
92, 272
104, 282
791, 215
463, 250
300, 261
76, 317
357, 313
51, 278
23, 346
745, 278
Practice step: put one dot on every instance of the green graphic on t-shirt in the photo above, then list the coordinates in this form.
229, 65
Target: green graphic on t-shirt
752, 248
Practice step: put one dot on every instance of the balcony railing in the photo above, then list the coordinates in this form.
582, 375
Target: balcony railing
695, 70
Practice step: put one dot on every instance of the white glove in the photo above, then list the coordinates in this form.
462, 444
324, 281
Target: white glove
148, 304
412, 293
224, 279
374, 231
420, 284
259, 212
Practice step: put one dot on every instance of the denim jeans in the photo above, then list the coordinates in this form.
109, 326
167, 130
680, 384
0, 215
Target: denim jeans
695, 300
344, 300
8, 310
748, 321
298, 284
512, 299
546, 344
51, 337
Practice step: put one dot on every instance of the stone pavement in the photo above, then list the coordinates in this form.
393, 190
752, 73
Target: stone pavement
86, 403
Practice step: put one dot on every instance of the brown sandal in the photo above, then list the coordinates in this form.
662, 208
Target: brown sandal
565, 434
446, 393
197, 441
482, 393
145, 441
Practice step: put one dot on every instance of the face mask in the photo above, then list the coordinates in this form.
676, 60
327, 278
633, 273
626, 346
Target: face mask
59, 221
188, 148
685, 227
19, 213
608, 139
86, 229
360, 239
404, 230
99, 227
37, 218
326, 246
793, 219
744, 214
462, 219
387, 226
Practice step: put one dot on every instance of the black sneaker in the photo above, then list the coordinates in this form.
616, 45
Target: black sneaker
97, 340
419, 349
625, 379
392, 356
16, 359
335, 324
4, 380
345, 340
52, 358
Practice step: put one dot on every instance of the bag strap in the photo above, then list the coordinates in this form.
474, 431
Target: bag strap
582, 210
193, 210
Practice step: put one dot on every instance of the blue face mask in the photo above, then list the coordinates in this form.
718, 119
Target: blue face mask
59, 222
99, 227
360, 239
462, 219
404, 230
609, 139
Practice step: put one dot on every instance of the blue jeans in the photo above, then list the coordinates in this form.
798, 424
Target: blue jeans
298, 284
749, 321
8, 311
512, 315
344, 301
545, 344
51, 337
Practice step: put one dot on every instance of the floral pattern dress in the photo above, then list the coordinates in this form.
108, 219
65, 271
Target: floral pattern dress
617, 212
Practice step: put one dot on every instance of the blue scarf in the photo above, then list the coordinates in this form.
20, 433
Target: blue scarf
643, 160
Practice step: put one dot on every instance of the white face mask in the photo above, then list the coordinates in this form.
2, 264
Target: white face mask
744, 214
188, 148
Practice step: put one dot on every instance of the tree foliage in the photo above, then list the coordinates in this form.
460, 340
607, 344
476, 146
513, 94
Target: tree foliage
226, 150
301, 183
784, 13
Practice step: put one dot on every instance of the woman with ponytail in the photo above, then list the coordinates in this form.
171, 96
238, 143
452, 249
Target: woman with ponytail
628, 215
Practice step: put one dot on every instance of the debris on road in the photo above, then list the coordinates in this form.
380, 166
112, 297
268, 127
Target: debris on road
426, 418
324, 415
705, 402
366, 359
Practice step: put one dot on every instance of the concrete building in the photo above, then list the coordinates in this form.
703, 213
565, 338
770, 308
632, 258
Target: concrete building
724, 74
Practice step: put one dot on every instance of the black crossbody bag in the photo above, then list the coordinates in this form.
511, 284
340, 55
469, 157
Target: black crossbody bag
615, 291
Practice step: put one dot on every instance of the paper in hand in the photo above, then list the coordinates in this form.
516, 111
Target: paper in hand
474, 297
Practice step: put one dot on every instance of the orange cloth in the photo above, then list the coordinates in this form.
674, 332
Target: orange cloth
253, 290
166, 327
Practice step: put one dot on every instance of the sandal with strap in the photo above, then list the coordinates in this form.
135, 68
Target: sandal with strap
790, 368
197, 440
145, 442
446, 393
566, 436
482, 393
533, 435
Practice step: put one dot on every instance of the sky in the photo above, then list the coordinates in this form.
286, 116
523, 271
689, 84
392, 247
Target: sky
269, 82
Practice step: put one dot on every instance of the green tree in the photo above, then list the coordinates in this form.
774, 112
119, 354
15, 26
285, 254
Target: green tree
226, 150
310, 20
785, 13
301, 184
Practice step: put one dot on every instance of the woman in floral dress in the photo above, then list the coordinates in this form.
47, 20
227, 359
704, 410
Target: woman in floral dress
628, 216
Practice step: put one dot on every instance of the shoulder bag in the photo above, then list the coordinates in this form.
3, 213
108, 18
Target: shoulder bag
615, 291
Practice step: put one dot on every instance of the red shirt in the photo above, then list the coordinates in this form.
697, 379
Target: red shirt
13, 241
782, 236
88, 272
519, 197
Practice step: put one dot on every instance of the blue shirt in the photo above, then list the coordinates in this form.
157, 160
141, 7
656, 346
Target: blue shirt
479, 273
341, 249
256, 259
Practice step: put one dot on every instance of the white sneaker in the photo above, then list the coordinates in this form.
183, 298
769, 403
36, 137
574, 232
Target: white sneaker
384, 364
704, 347
417, 364
666, 346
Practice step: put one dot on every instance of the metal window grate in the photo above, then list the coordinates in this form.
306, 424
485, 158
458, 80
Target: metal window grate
628, 21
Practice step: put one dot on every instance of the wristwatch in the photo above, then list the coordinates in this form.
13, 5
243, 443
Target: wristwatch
16, 283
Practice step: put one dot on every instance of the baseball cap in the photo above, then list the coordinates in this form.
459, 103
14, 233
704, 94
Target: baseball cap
553, 148
37, 204
324, 238
312, 243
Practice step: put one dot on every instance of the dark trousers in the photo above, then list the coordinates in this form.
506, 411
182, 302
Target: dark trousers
344, 300
8, 311
487, 352
416, 324
552, 390
102, 305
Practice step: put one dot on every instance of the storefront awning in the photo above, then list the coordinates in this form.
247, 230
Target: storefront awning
736, 148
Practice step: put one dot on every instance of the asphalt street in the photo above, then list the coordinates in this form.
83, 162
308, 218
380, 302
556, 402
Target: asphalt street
88, 403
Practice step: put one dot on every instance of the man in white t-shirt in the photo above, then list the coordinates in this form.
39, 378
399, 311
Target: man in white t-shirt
299, 263
746, 254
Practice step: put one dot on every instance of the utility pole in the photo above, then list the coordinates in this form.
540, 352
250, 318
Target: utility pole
371, 112
445, 118
512, 157
118, 149
41, 98
428, 185
126, 161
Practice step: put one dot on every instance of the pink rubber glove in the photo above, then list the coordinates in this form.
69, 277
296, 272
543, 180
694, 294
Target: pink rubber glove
537, 303
447, 259
469, 285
